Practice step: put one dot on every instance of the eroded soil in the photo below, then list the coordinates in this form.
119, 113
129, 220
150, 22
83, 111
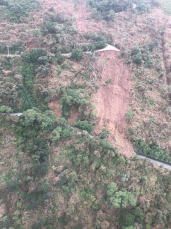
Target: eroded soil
113, 98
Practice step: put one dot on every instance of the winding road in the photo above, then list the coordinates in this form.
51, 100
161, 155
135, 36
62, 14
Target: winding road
158, 163
166, 166
107, 48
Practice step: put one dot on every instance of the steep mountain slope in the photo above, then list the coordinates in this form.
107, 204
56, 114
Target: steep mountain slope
113, 98
69, 160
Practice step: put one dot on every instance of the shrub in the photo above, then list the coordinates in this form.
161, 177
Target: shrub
66, 134
106, 9
85, 48
35, 54
87, 36
137, 59
92, 47
100, 44
136, 50
104, 134
5, 109
129, 115
139, 215
152, 150
119, 199
69, 98
127, 219
17, 9
121, 160
63, 180
48, 27
37, 198
36, 226
77, 54
105, 144
13, 184
60, 59
84, 125
36, 32
97, 224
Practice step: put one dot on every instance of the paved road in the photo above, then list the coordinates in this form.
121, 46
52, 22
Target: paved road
11, 55
107, 48
13, 114
166, 166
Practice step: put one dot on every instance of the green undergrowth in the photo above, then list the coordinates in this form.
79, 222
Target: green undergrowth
72, 98
57, 175
16, 48
150, 95
91, 175
152, 150
19, 88
63, 29
14, 11
106, 9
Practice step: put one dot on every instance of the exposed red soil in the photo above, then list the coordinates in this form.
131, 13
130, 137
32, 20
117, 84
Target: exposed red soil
73, 116
112, 100
58, 6
82, 16
3, 210
54, 106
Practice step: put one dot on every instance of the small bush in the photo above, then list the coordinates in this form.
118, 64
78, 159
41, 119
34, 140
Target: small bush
36, 32
77, 54
121, 160
35, 54
13, 184
129, 115
5, 109
104, 134
60, 59
127, 219
137, 59
36, 226
139, 215
84, 125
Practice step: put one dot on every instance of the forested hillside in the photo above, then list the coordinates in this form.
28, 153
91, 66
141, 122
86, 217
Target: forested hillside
85, 86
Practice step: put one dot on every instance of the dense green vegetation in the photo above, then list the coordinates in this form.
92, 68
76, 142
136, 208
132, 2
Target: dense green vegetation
152, 150
16, 47
72, 98
57, 172
14, 11
37, 135
25, 95
106, 9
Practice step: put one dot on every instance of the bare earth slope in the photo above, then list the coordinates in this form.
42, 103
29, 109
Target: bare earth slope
112, 100
82, 16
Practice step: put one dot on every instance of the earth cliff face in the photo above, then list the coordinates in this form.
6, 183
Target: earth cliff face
113, 98
56, 176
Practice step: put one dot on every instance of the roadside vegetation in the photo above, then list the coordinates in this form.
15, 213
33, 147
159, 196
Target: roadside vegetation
56, 170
